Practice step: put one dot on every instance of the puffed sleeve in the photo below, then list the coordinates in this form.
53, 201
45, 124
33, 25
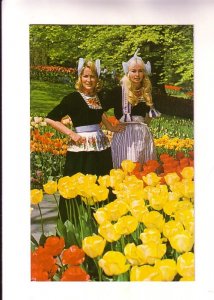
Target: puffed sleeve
154, 113
61, 110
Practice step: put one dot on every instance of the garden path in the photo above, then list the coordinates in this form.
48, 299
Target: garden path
49, 215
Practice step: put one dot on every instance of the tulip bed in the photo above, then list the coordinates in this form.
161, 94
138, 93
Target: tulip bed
145, 233
48, 147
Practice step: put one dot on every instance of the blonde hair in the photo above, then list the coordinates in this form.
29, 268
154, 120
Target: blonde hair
91, 65
146, 88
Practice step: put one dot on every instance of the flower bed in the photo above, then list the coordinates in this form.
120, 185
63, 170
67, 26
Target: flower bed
48, 149
53, 74
145, 233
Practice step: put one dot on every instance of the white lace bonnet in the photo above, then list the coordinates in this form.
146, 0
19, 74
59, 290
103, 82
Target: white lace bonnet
81, 64
127, 64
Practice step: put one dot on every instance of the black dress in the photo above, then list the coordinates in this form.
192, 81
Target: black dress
87, 162
96, 160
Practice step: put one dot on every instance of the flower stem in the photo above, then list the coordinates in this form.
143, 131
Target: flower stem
57, 204
60, 260
80, 220
68, 210
122, 242
98, 269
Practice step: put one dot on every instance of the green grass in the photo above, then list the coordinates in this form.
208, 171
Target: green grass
172, 126
44, 96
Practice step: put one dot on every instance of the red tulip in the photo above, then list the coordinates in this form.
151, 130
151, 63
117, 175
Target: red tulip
54, 245
75, 273
73, 256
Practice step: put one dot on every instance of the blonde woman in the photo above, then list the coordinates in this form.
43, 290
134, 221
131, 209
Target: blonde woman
133, 106
89, 148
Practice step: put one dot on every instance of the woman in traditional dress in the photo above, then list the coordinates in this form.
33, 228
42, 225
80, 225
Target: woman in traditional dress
133, 106
89, 149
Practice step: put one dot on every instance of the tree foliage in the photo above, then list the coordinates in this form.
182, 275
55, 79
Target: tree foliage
169, 48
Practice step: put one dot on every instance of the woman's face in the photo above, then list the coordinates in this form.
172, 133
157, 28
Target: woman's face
89, 81
136, 72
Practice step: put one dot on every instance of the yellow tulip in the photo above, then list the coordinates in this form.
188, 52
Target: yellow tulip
78, 178
117, 173
173, 196
93, 245
66, 188
188, 188
100, 193
101, 215
151, 179
152, 251
136, 192
68, 192
128, 193
85, 184
150, 235
189, 226
148, 189
133, 255
123, 195
185, 265
170, 207
36, 196
154, 219
90, 178
138, 209
188, 173
88, 201
64, 181
113, 263
104, 180
177, 187
190, 278
116, 177
133, 182
182, 241
172, 227
126, 225
128, 166
145, 273
185, 216
171, 178
116, 209
168, 269
50, 187
107, 230
158, 196
184, 204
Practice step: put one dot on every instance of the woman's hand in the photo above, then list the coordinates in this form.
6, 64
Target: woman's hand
78, 139
118, 127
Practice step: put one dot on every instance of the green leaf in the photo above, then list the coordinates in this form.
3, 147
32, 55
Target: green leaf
33, 247
34, 241
56, 277
61, 229
118, 246
123, 277
72, 234
42, 240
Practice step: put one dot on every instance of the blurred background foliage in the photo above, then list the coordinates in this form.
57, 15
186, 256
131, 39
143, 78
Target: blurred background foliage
169, 48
